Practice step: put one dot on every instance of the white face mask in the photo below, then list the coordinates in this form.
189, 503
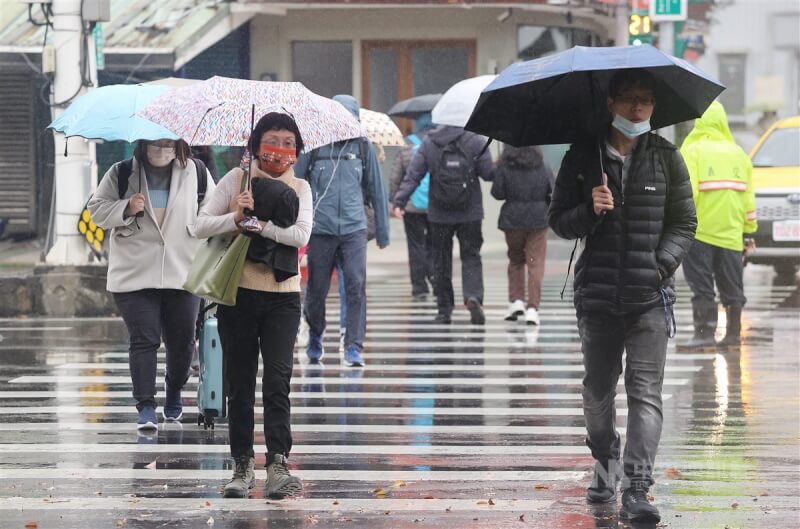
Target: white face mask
160, 156
630, 129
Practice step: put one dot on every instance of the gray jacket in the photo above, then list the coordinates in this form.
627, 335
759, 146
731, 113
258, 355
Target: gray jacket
427, 159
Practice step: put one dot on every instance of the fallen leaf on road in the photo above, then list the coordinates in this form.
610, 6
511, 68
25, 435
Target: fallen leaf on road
31, 525
122, 522
521, 517
380, 493
673, 473
491, 501
151, 466
542, 487
447, 510
387, 513
207, 503
336, 502
428, 498
734, 505
482, 502
399, 483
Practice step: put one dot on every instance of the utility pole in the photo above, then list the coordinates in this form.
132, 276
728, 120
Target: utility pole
74, 63
622, 14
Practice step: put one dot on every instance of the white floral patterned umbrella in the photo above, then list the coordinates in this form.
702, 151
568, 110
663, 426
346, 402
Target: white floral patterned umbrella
218, 112
380, 129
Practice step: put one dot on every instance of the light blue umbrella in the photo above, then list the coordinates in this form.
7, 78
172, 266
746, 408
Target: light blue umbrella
109, 113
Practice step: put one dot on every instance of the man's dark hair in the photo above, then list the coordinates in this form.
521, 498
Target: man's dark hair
274, 121
631, 78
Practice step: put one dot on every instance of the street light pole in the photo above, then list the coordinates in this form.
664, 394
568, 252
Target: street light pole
73, 181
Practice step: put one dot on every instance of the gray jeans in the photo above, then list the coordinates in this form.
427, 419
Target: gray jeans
603, 339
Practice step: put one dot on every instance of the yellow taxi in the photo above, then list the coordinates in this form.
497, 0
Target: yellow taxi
776, 179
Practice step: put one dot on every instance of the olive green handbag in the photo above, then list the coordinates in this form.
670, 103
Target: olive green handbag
217, 266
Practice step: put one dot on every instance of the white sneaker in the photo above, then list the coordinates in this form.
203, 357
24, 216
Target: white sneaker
532, 316
515, 310
302, 333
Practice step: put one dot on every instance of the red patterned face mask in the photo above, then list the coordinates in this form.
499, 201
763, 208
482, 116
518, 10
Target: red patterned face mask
276, 160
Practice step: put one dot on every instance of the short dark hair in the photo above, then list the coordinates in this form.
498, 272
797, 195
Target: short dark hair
273, 121
631, 78
182, 151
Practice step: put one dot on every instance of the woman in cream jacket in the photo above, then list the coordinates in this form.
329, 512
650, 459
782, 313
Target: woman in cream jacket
151, 252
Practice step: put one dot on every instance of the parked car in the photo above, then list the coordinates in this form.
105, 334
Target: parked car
776, 179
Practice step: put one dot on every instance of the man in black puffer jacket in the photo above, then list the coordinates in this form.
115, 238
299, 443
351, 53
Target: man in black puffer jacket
638, 221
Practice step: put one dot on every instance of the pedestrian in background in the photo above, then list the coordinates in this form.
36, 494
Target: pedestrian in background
344, 177
150, 255
525, 184
722, 185
266, 315
415, 219
455, 160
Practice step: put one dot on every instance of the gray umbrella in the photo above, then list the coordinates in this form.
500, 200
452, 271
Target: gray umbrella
413, 107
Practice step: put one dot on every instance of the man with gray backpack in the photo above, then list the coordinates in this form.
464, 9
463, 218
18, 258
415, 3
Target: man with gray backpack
455, 160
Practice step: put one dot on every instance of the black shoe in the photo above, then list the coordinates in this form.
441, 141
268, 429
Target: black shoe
475, 312
704, 318
422, 296
604, 483
733, 332
636, 507
442, 317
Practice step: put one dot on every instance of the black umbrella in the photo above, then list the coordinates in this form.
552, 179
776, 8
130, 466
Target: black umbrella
413, 107
562, 98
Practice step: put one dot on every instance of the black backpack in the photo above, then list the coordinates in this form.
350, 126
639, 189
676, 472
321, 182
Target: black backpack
453, 178
126, 168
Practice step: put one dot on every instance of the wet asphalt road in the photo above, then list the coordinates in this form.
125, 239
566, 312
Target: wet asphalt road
448, 426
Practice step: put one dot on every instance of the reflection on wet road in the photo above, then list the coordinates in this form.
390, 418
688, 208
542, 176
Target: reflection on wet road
447, 426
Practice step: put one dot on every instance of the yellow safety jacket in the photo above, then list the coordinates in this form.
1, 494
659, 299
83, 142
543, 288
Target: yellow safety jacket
722, 181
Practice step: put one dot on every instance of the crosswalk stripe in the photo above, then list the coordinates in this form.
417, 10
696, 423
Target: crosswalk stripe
518, 368
412, 429
325, 410
352, 380
312, 475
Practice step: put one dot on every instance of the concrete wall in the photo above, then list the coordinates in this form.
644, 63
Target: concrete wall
767, 32
272, 36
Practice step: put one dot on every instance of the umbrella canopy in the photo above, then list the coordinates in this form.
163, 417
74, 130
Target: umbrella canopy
562, 98
109, 113
457, 104
218, 112
413, 107
380, 129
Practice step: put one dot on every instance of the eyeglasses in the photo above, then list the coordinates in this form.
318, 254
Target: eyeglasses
285, 144
645, 101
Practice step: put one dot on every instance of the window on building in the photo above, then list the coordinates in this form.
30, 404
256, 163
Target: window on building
324, 67
537, 41
732, 75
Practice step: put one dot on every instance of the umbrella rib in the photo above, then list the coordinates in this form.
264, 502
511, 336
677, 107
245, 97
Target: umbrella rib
201, 123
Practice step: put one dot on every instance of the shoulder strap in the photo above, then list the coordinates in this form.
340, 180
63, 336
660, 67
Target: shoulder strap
202, 180
124, 170
363, 147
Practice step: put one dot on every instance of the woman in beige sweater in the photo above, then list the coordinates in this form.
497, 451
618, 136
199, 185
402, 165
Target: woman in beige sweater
267, 312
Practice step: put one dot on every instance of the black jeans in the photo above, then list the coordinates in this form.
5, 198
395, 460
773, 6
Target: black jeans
322, 256
705, 265
420, 251
643, 337
470, 240
150, 314
265, 321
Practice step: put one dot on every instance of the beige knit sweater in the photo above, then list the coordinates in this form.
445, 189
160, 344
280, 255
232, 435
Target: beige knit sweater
217, 217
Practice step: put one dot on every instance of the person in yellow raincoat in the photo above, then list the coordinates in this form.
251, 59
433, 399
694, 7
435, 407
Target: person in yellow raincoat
722, 184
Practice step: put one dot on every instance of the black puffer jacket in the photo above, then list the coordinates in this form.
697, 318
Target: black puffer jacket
632, 252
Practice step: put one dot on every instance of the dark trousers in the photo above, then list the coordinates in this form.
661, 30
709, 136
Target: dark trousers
322, 255
420, 253
526, 252
264, 322
705, 265
149, 315
643, 337
470, 240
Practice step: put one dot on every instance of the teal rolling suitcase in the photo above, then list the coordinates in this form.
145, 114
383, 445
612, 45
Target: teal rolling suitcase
210, 390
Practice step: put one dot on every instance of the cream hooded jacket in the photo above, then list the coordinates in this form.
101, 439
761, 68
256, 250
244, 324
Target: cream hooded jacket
149, 255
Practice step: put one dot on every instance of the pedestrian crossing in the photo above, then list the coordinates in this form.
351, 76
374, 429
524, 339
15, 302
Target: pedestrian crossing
446, 425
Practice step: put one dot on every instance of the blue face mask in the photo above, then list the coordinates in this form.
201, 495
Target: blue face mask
630, 129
